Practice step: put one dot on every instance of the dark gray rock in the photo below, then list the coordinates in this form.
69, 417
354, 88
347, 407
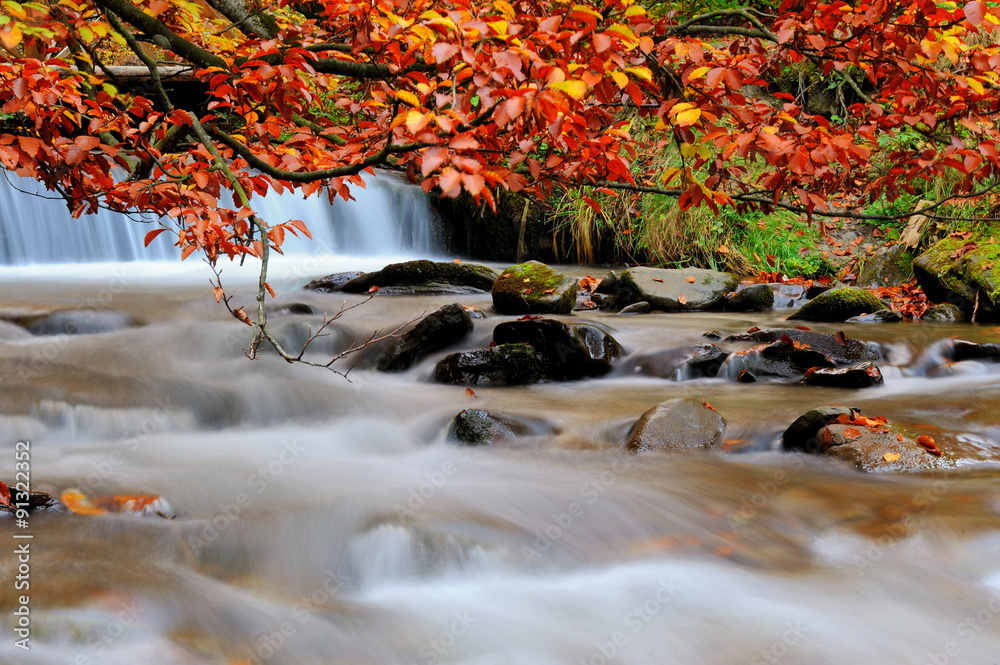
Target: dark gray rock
962, 350
850, 352
438, 330
754, 298
78, 322
862, 375
333, 282
881, 316
802, 435
838, 305
476, 427
641, 307
882, 449
677, 424
608, 285
506, 364
944, 312
569, 350
670, 290
687, 362
425, 277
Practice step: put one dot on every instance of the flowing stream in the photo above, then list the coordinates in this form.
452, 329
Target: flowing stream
325, 521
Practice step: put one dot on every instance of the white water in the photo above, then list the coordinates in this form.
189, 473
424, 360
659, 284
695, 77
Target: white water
388, 218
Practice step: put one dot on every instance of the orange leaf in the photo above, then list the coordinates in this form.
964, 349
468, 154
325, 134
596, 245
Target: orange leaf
151, 235
891, 457
373, 289
851, 433
690, 279
723, 249
708, 406
899, 438
657, 279
682, 299
470, 392
218, 293
242, 316
79, 504
269, 289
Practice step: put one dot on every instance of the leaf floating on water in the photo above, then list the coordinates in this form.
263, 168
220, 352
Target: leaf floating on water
138, 504
471, 393
850, 433
4, 494
891, 457
79, 504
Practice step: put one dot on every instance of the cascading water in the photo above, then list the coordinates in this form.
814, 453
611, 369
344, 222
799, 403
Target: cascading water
387, 218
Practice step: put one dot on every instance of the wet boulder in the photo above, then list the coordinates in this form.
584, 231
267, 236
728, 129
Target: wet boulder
438, 330
888, 266
674, 289
569, 350
969, 279
477, 427
944, 312
803, 434
77, 322
333, 282
862, 375
534, 288
686, 362
881, 316
677, 424
876, 449
425, 278
838, 305
838, 349
961, 350
504, 364
783, 358
641, 307
754, 298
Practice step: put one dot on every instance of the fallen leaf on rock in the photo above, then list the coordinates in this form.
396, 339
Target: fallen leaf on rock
899, 438
589, 283
709, 406
873, 372
689, 279
754, 329
840, 337
851, 433
548, 291
802, 328
470, 392
531, 317
373, 289
682, 300
891, 457
929, 444
528, 290
963, 250
657, 279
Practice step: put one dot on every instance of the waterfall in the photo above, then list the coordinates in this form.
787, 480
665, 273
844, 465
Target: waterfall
389, 217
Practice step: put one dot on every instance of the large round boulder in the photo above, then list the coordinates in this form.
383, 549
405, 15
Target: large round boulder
425, 277
478, 427
534, 288
674, 289
966, 274
569, 350
438, 330
677, 424
838, 305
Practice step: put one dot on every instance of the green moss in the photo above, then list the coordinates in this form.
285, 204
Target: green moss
839, 305
533, 288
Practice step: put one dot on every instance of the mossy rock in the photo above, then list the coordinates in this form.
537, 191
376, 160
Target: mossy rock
888, 266
971, 281
838, 305
534, 288
945, 312
421, 273
755, 298
505, 364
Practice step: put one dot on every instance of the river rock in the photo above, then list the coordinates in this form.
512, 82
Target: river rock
686, 362
943, 312
838, 305
333, 282
754, 298
534, 288
434, 332
641, 307
783, 358
425, 278
971, 281
11, 331
608, 285
78, 322
962, 350
569, 350
875, 450
862, 375
476, 427
888, 266
802, 435
881, 316
850, 352
670, 289
677, 424
505, 364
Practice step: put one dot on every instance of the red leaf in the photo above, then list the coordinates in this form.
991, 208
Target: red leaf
851, 433
373, 289
4, 494
708, 406
975, 11
840, 337
471, 393
151, 235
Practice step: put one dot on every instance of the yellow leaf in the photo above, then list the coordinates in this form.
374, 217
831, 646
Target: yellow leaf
415, 120
588, 10
890, 457
687, 118
625, 33
408, 97
669, 175
499, 27
620, 78
505, 9
698, 73
976, 86
575, 89
635, 10
14, 9
11, 37
641, 72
